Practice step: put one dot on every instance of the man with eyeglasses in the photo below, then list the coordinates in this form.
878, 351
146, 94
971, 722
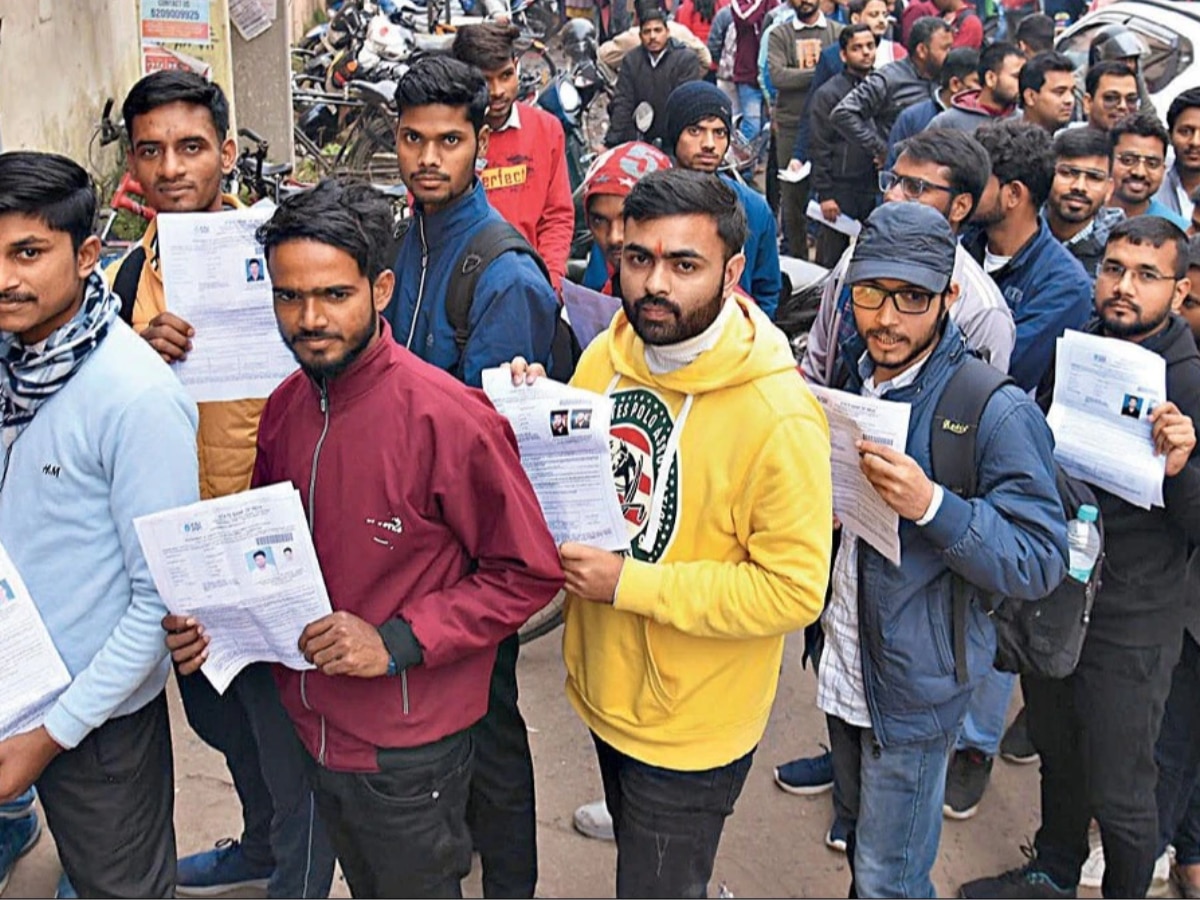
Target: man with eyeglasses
1139, 163
894, 714
1075, 209
1043, 284
1096, 730
946, 170
1110, 94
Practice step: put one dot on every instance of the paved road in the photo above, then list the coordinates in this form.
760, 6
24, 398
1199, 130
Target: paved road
772, 847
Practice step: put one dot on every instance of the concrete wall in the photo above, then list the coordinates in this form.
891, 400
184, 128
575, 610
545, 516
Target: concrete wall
262, 84
59, 61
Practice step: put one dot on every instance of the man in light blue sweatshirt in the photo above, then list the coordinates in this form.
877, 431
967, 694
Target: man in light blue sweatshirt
95, 431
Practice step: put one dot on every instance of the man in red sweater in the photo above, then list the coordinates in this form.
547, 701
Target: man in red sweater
960, 15
431, 556
525, 173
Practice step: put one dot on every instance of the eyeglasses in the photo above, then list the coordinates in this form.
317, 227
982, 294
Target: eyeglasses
907, 301
1093, 177
912, 188
1113, 101
1130, 160
1114, 271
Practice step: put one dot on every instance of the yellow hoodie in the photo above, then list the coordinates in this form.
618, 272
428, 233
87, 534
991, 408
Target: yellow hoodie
228, 430
681, 670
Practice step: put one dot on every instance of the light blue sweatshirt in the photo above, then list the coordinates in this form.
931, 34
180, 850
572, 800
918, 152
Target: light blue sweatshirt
118, 441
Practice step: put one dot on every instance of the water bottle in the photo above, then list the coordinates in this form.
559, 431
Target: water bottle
1084, 540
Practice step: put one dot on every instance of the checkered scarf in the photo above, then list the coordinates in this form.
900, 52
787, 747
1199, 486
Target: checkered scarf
31, 375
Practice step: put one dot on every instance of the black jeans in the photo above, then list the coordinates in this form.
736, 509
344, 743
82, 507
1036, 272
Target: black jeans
501, 810
1178, 758
402, 831
667, 823
1095, 732
110, 804
250, 728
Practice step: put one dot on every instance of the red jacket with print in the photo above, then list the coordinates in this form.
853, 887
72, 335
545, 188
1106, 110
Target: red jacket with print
419, 509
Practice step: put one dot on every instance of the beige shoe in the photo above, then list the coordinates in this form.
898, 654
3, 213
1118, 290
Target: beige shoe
1092, 873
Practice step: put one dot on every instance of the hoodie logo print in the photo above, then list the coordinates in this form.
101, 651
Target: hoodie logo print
641, 427
391, 527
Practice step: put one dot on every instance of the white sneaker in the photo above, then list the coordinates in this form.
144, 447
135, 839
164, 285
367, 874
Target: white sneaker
1092, 873
592, 820
1160, 883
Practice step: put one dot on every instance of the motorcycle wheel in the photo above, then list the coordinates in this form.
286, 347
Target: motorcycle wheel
543, 621
372, 152
537, 70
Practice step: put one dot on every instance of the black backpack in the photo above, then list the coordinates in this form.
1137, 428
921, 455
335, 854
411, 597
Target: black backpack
125, 284
1043, 637
486, 245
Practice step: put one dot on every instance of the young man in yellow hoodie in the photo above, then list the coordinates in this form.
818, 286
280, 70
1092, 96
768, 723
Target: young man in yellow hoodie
721, 462
178, 127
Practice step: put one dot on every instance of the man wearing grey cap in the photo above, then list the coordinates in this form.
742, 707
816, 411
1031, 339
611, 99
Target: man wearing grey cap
894, 710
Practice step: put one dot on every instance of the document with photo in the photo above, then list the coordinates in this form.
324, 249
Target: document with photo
855, 501
215, 278
1104, 392
32, 674
562, 433
245, 568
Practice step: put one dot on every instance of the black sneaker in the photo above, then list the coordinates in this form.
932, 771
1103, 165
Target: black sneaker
1024, 882
966, 780
1016, 747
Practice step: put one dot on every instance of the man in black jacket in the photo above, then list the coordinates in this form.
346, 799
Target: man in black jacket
843, 173
648, 74
866, 115
1096, 729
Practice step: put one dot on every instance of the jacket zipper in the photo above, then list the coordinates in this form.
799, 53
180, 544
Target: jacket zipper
404, 690
412, 328
312, 517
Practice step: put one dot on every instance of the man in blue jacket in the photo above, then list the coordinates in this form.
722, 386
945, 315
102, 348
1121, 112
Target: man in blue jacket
1044, 285
699, 123
86, 406
440, 133
894, 708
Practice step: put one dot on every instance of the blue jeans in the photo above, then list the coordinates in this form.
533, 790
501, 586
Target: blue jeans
1177, 754
750, 101
896, 828
984, 725
19, 808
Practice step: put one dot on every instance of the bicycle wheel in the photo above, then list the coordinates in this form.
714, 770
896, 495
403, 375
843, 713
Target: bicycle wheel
543, 621
371, 153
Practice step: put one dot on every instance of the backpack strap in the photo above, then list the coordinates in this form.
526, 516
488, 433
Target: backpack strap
953, 444
125, 284
483, 248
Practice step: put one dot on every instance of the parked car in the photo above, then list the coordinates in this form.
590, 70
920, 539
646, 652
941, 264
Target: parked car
1168, 29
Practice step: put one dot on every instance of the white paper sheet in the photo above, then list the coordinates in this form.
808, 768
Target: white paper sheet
244, 567
562, 433
32, 674
795, 177
855, 501
215, 279
1104, 390
588, 311
843, 223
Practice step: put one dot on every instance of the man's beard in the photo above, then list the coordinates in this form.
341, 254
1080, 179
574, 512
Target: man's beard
919, 347
1070, 216
1136, 328
333, 368
684, 326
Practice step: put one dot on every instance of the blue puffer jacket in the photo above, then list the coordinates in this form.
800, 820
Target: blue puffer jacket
514, 308
761, 278
1048, 292
1010, 540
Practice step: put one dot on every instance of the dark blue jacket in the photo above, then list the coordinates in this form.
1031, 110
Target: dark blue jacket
1010, 540
514, 308
912, 121
761, 279
1048, 292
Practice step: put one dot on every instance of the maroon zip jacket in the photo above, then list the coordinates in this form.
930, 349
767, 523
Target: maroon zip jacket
419, 511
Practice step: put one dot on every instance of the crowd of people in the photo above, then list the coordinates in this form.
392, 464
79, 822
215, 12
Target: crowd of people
1001, 205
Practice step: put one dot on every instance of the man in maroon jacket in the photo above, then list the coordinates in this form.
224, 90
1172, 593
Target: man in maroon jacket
430, 539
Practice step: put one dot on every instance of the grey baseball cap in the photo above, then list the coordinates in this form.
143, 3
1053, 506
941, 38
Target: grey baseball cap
907, 241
